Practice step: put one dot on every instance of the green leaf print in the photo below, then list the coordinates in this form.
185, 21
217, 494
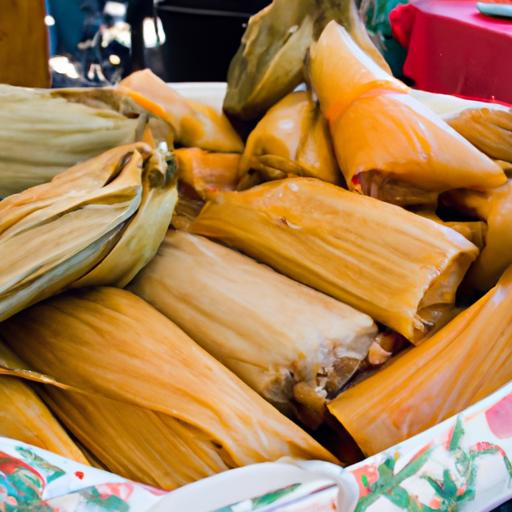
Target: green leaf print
108, 503
457, 435
50, 471
267, 499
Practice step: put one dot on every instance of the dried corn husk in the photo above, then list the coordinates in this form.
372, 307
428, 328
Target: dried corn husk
494, 206
23, 415
287, 341
147, 401
195, 124
388, 144
269, 62
486, 125
43, 133
474, 231
401, 269
186, 210
97, 223
201, 175
207, 173
292, 138
464, 362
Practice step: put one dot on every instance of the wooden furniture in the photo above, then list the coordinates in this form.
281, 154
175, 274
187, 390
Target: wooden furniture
23, 43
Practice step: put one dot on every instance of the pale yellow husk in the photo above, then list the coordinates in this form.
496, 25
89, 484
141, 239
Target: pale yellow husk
24, 417
494, 206
475, 231
146, 400
43, 133
97, 223
281, 337
292, 138
269, 63
486, 125
400, 268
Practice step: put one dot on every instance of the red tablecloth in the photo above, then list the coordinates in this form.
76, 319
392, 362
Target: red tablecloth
454, 49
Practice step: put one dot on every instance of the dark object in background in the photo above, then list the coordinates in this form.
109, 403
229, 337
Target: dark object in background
89, 42
137, 11
202, 36
24, 44
375, 14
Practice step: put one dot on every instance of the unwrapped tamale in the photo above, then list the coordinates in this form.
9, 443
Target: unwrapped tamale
141, 396
486, 125
398, 267
494, 206
195, 124
292, 344
97, 223
207, 173
464, 362
388, 144
292, 139
43, 132
24, 417
269, 62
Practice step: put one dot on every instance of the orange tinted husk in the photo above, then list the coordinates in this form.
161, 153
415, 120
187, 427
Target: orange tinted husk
142, 389
399, 268
464, 362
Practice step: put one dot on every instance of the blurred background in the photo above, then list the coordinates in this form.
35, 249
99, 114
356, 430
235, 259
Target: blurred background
97, 42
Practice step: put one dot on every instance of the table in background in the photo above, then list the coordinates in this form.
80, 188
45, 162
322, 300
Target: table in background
453, 49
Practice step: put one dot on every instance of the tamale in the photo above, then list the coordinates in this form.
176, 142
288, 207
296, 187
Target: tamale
474, 231
388, 144
494, 206
195, 124
23, 415
187, 208
97, 223
43, 133
132, 385
401, 269
461, 364
486, 125
277, 335
269, 62
207, 173
292, 138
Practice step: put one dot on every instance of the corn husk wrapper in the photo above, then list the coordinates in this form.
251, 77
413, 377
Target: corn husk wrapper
23, 415
399, 268
141, 396
293, 345
486, 125
269, 62
207, 173
201, 175
43, 133
464, 362
474, 231
388, 144
97, 223
291, 139
187, 209
195, 124
494, 206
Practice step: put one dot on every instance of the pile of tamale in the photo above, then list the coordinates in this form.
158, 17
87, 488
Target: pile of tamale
141, 396
340, 279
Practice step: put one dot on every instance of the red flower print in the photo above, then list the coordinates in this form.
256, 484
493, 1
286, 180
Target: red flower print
499, 418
